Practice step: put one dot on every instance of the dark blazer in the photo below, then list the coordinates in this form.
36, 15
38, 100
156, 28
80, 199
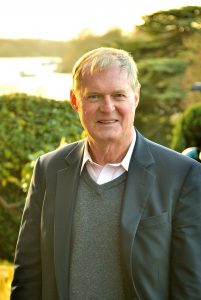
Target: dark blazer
160, 226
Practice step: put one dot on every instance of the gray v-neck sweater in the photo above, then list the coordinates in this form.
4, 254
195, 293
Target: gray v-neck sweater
95, 270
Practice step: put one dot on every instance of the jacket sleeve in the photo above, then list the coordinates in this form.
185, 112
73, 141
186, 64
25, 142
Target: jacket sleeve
186, 240
26, 282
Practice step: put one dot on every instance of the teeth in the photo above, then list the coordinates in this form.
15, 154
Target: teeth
107, 121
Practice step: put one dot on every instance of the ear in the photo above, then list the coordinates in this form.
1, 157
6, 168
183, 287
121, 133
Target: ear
136, 98
73, 100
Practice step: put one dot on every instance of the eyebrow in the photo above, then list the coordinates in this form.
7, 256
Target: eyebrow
100, 93
121, 91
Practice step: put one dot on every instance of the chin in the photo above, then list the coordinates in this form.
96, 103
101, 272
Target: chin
108, 138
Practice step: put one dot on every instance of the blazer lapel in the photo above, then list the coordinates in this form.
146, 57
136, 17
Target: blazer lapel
139, 183
67, 182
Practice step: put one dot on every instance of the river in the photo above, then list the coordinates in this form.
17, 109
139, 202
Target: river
34, 76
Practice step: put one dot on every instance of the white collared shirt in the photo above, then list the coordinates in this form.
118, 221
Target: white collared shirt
102, 174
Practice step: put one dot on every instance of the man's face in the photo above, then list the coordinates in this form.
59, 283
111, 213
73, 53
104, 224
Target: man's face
106, 106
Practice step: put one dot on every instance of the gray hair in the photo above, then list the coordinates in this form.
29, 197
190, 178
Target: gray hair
101, 58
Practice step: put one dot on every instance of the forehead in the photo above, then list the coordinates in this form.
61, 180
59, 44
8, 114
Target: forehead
106, 82
108, 76
92, 69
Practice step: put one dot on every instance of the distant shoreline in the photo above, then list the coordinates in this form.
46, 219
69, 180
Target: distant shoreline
31, 48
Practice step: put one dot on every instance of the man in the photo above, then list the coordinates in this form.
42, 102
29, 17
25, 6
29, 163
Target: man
114, 216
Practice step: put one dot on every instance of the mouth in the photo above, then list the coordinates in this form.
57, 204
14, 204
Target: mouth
107, 121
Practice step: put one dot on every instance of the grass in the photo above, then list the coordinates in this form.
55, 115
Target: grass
6, 275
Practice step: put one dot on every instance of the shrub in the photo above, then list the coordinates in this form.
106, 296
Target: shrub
30, 126
187, 132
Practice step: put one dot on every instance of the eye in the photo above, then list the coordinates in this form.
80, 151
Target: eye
120, 96
93, 97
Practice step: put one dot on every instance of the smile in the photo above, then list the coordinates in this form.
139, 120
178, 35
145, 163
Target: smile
107, 121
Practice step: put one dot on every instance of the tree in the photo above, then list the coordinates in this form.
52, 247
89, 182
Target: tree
173, 23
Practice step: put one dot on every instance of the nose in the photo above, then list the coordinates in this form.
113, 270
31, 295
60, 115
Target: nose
107, 105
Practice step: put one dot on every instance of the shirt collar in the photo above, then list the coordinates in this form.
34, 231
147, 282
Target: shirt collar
125, 161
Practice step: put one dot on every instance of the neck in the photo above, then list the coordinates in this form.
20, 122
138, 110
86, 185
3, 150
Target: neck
107, 153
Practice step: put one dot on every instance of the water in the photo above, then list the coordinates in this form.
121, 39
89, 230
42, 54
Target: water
34, 76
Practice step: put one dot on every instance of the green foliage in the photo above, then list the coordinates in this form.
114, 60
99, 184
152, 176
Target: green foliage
164, 56
30, 126
161, 90
166, 31
174, 21
187, 132
161, 94
8, 233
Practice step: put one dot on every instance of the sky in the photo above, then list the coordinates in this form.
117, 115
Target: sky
65, 19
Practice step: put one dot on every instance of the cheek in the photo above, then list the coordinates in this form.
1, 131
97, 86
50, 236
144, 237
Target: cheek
127, 111
87, 115
88, 111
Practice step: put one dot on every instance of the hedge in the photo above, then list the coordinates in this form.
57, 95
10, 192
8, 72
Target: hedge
30, 126
187, 132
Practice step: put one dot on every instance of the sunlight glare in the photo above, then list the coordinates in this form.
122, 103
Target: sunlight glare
61, 20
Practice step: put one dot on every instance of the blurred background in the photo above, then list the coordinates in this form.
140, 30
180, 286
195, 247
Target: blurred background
40, 42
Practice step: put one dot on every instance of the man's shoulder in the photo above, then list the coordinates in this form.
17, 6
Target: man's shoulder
162, 154
62, 150
170, 156
57, 157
